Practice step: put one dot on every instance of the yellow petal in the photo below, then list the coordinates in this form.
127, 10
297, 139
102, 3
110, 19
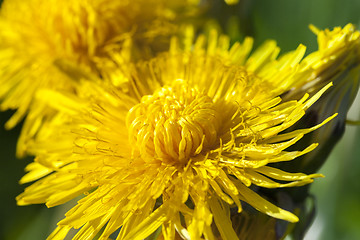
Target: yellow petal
263, 205
222, 220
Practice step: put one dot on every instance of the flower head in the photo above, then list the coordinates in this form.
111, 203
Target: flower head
338, 61
178, 151
52, 44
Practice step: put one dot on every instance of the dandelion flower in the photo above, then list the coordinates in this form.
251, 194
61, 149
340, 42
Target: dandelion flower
186, 145
51, 44
338, 61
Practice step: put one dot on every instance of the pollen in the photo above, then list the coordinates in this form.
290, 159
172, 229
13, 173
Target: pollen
174, 124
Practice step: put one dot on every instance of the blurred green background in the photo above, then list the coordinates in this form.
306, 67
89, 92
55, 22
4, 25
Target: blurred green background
338, 195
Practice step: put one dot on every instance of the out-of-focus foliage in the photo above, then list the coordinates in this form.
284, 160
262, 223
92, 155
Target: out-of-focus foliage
338, 195
286, 21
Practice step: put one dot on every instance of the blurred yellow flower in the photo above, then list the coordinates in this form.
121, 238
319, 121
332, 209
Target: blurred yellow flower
197, 129
52, 44
231, 2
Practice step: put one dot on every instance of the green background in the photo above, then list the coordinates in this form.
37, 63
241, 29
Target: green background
338, 195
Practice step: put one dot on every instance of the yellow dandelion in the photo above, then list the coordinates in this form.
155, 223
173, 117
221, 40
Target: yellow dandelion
279, 73
338, 61
51, 44
186, 144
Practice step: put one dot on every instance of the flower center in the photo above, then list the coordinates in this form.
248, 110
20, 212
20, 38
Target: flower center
174, 124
